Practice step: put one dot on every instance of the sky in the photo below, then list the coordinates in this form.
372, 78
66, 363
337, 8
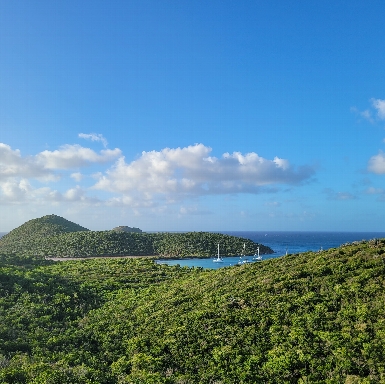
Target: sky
176, 115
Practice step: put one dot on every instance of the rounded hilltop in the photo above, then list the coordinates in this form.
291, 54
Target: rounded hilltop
44, 226
25, 236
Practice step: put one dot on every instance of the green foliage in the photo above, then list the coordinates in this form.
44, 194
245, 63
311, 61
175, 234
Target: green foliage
307, 318
28, 235
53, 236
202, 244
124, 228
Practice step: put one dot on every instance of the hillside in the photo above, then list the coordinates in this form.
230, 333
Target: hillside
55, 236
33, 231
307, 318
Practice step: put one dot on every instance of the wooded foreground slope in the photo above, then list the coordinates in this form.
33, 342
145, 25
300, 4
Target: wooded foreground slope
55, 236
308, 318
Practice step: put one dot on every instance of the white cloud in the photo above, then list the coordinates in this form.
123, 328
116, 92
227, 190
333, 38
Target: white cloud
376, 112
12, 164
94, 137
74, 194
156, 179
14, 191
175, 173
77, 176
42, 165
377, 163
73, 156
18, 172
379, 106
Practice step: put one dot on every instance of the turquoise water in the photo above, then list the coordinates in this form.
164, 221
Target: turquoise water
282, 242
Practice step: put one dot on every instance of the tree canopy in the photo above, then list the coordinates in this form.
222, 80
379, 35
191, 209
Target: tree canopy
311, 317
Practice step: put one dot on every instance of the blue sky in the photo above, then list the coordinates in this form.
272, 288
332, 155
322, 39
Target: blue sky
193, 115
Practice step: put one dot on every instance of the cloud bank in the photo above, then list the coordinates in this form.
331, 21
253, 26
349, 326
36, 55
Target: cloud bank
168, 175
75, 156
177, 173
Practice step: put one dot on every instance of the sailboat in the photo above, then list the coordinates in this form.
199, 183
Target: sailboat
218, 259
257, 256
241, 260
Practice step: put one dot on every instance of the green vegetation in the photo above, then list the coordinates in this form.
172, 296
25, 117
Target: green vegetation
25, 237
124, 228
58, 237
307, 318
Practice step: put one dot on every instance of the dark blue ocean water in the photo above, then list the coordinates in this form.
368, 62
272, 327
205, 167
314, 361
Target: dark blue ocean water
282, 242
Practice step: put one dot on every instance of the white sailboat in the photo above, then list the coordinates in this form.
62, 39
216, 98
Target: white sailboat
219, 258
241, 260
257, 256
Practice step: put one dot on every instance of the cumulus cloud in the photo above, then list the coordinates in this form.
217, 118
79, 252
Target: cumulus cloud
42, 165
379, 106
94, 137
17, 173
175, 173
375, 113
74, 156
152, 181
77, 176
14, 191
377, 163
12, 164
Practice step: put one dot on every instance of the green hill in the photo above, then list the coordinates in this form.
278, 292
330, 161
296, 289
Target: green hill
307, 318
55, 236
27, 235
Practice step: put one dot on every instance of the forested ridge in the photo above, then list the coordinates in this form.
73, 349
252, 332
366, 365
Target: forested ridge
306, 318
54, 236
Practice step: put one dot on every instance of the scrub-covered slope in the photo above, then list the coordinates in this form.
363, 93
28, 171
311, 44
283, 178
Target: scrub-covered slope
308, 318
27, 235
54, 236
315, 317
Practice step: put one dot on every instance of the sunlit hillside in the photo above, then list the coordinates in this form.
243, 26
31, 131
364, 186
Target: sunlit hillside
305, 318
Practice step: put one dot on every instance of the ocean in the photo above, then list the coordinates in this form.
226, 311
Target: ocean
282, 243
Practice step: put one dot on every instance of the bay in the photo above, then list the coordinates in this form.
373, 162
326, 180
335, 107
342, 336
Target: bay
282, 242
